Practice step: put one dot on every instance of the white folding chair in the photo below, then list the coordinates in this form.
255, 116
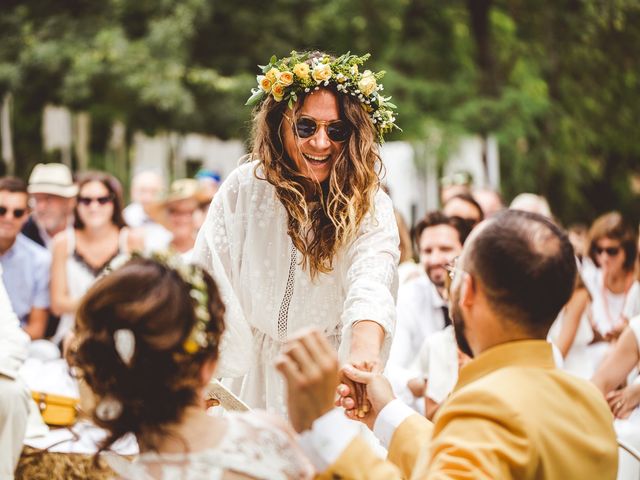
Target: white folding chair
628, 451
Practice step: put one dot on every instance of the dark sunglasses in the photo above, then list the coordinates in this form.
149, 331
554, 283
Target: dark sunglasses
337, 130
17, 212
89, 200
610, 251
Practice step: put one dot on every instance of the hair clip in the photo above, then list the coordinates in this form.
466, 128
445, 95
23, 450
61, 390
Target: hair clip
125, 343
108, 409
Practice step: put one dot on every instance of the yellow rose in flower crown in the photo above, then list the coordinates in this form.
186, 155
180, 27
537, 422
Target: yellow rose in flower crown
367, 84
285, 78
301, 70
264, 82
321, 72
272, 75
277, 91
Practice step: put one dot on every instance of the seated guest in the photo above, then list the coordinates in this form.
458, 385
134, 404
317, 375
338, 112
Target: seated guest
25, 263
148, 338
624, 399
464, 206
52, 196
421, 307
437, 365
14, 397
512, 414
177, 212
147, 187
81, 255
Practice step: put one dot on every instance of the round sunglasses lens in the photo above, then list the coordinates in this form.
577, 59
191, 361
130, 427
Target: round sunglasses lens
338, 131
305, 127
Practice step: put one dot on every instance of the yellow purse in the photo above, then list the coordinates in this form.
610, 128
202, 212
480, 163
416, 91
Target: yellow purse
56, 410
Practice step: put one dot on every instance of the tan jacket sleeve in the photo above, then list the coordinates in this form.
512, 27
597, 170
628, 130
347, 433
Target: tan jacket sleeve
359, 461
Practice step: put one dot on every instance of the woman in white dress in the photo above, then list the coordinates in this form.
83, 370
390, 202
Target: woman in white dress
617, 379
609, 274
302, 235
147, 345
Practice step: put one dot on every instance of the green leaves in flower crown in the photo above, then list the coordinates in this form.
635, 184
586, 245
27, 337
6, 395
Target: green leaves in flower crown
299, 73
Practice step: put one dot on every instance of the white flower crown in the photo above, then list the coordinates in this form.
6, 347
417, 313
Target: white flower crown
284, 79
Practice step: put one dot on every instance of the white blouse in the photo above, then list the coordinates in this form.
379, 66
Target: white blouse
268, 296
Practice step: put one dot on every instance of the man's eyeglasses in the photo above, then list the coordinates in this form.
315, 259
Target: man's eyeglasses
16, 212
89, 200
337, 130
610, 251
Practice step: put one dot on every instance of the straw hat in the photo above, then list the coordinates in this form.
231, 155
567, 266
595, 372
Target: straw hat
54, 179
183, 189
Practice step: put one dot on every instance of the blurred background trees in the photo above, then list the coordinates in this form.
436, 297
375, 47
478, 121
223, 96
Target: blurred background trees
556, 82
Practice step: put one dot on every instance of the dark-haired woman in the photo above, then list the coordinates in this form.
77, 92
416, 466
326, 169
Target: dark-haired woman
302, 235
613, 250
98, 237
147, 340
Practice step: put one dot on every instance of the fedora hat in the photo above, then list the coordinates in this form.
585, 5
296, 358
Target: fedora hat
52, 178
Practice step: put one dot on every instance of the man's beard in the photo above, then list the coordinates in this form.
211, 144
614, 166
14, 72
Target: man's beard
459, 329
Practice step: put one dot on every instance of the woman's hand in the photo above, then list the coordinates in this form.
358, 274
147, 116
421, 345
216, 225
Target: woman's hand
623, 401
364, 355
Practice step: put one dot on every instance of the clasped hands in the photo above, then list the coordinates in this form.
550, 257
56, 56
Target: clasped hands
316, 382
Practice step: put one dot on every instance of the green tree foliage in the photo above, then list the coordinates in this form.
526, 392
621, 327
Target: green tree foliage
557, 83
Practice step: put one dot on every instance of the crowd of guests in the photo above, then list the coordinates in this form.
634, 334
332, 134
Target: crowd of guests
528, 300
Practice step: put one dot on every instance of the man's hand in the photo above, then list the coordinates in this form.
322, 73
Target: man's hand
310, 367
378, 390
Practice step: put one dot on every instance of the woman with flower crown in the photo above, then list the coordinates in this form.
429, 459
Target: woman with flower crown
301, 234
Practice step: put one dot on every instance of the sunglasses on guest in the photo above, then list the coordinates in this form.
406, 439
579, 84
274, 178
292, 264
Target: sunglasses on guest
16, 212
337, 130
101, 200
610, 251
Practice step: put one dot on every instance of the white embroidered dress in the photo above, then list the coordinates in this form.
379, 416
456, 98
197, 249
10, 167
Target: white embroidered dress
245, 245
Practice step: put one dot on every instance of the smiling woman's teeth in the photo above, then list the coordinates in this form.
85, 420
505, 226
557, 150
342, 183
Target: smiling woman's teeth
314, 159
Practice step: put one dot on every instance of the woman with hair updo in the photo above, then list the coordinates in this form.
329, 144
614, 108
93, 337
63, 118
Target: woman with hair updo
301, 234
147, 341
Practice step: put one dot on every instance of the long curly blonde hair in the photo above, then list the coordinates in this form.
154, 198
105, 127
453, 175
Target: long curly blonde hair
319, 229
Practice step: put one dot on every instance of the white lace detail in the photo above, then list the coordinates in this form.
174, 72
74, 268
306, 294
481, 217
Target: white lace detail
283, 315
252, 446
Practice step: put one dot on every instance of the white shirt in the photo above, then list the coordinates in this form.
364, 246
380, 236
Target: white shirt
437, 361
419, 313
268, 295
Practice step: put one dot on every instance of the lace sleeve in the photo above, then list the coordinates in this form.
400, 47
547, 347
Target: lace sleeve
219, 249
371, 275
263, 446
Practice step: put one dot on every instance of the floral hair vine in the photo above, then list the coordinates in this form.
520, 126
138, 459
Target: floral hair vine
288, 77
124, 339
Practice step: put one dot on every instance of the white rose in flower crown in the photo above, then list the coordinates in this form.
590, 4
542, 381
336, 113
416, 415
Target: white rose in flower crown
272, 75
264, 82
321, 72
285, 78
367, 83
301, 70
277, 91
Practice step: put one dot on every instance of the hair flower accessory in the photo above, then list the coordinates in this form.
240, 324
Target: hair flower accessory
125, 343
108, 409
284, 79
